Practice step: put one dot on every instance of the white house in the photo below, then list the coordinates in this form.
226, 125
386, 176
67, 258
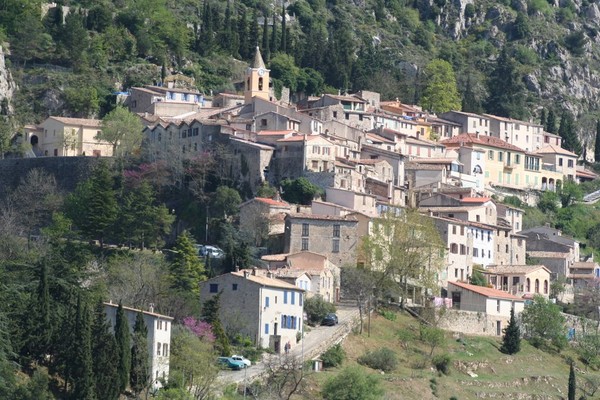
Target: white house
267, 310
159, 337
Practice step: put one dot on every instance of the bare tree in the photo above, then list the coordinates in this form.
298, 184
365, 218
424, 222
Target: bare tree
285, 377
358, 285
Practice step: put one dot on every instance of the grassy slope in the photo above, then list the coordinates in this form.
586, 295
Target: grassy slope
531, 374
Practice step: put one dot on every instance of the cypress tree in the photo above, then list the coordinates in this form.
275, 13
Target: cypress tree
243, 35
283, 43
104, 356
253, 35
543, 118
511, 342
39, 335
265, 37
83, 382
572, 383
273, 46
122, 337
550, 122
139, 355
210, 314
597, 143
506, 89
567, 132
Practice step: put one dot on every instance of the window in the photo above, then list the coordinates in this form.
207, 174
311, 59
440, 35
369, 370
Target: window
491, 155
336, 230
263, 122
285, 296
478, 218
454, 248
335, 246
300, 297
305, 230
159, 136
537, 285
507, 248
234, 286
293, 297
463, 249
266, 301
335, 114
454, 229
305, 244
214, 288
560, 162
165, 350
166, 326
347, 116
158, 346
184, 133
545, 286
498, 305
475, 252
500, 156
159, 324
360, 117
55, 152
517, 159
266, 329
570, 163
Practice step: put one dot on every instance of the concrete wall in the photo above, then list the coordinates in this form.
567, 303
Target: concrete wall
68, 171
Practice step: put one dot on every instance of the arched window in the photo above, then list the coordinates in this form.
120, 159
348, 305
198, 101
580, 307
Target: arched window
248, 84
528, 286
260, 83
537, 285
545, 286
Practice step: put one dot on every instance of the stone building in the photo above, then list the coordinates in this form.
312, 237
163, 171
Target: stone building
332, 236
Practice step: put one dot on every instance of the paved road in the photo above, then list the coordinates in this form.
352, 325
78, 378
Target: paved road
312, 340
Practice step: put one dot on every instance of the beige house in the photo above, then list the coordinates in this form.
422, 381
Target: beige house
332, 236
560, 160
61, 136
267, 310
487, 310
164, 101
520, 280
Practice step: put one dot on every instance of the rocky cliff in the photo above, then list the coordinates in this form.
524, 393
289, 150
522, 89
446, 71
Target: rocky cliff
7, 84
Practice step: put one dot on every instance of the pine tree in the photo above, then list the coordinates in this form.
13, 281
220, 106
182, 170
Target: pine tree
186, 269
506, 89
470, 102
572, 383
123, 339
550, 126
511, 342
597, 143
104, 356
83, 378
139, 356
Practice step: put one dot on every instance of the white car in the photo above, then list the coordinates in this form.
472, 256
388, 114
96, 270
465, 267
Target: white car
241, 359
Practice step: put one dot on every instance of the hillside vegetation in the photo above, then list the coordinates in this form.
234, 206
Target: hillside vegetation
530, 374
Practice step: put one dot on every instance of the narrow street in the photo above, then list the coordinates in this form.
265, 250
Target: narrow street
313, 340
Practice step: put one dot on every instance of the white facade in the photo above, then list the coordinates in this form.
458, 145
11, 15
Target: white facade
483, 244
159, 338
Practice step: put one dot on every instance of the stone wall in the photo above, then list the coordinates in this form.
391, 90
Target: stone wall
472, 323
68, 171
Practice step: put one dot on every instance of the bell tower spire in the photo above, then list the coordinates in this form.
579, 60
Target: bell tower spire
257, 79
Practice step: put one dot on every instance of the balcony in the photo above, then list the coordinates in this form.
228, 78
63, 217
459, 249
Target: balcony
508, 165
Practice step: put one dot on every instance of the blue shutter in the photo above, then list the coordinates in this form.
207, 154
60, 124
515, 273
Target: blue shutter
300, 299
267, 301
285, 297
293, 294
266, 329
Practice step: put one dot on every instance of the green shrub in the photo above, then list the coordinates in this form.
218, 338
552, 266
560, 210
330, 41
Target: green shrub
334, 356
251, 353
441, 363
405, 336
389, 315
382, 359
316, 309
353, 383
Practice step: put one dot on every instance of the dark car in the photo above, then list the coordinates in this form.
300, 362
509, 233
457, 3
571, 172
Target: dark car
228, 362
330, 320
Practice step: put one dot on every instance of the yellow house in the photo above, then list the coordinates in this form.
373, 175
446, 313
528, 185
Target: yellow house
61, 136
508, 165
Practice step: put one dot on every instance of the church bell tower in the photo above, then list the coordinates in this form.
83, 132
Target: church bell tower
257, 79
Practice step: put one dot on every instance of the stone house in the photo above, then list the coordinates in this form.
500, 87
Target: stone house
459, 258
262, 217
520, 280
159, 338
560, 160
469, 122
493, 305
249, 163
64, 137
164, 101
296, 155
274, 121
267, 310
332, 236
582, 272
353, 200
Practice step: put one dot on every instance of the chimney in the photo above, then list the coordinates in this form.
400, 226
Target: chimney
246, 274
151, 307
270, 275
237, 268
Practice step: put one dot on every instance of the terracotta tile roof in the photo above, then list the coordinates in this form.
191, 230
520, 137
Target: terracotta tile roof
584, 265
322, 217
346, 98
516, 121
272, 202
423, 141
485, 291
441, 160
93, 123
300, 138
547, 254
275, 257
411, 165
474, 199
484, 140
289, 273
586, 173
378, 138
553, 149
513, 269
263, 280
136, 311
274, 133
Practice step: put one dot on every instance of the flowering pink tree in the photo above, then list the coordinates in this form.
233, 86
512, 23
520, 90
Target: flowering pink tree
199, 328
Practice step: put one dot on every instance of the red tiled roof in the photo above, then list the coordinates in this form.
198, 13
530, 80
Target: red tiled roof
274, 133
94, 123
272, 202
474, 199
378, 138
348, 218
553, 149
299, 138
484, 140
485, 291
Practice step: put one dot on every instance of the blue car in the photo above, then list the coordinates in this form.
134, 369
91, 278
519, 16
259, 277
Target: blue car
228, 362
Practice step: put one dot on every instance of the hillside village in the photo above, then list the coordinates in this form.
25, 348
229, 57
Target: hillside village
372, 160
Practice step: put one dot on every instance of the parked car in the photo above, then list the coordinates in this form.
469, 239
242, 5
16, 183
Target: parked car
330, 320
210, 251
243, 359
228, 362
